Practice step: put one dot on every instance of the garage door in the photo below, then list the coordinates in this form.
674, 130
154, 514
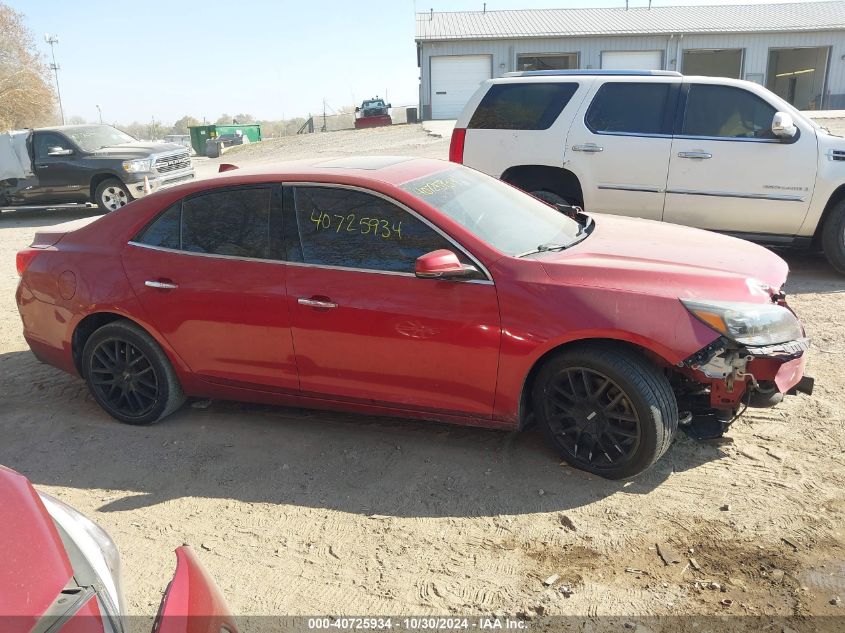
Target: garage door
454, 79
632, 60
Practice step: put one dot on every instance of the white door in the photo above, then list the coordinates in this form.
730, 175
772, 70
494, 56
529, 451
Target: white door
454, 79
619, 144
632, 60
728, 172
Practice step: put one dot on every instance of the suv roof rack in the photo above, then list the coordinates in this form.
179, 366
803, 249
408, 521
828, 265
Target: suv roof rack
624, 73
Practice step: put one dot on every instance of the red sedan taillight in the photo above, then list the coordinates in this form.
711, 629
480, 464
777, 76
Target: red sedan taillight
456, 147
24, 259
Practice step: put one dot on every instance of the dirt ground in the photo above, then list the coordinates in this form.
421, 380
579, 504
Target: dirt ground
298, 512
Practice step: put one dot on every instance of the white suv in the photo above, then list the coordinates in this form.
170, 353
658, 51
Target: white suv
709, 152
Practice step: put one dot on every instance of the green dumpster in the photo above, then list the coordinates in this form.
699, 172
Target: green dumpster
251, 130
199, 135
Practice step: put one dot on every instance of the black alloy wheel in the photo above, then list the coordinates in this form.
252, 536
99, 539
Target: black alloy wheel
592, 418
129, 375
606, 409
124, 378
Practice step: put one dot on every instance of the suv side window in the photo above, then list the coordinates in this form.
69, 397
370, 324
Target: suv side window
352, 229
522, 106
629, 108
45, 140
233, 222
726, 112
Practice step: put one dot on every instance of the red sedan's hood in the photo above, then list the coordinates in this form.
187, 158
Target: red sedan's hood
35, 567
669, 260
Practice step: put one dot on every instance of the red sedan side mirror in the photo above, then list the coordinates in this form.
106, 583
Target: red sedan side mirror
442, 264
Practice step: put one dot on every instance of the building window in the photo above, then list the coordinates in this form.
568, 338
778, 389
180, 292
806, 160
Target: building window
557, 61
798, 75
726, 62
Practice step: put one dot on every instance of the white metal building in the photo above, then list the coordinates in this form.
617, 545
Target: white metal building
796, 49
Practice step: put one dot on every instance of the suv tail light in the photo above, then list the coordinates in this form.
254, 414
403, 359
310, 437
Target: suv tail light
456, 147
24, 259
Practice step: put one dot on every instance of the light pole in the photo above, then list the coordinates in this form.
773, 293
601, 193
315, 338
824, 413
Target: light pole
101, 114
52, 40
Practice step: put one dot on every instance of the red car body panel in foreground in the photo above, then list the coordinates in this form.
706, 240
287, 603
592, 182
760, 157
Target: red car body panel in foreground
398, 344
35, 568
193, 602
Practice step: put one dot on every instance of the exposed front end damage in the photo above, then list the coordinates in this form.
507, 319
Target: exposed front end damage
724, 378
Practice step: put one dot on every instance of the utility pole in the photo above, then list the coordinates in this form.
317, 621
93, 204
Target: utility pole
324, 116
52, 40
101, 114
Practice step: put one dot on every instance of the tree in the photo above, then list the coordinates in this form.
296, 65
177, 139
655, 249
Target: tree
26, 94
76, 120
224, 119
181, 126
243, 119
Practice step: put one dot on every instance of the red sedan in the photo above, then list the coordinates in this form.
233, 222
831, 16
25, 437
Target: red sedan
416, 288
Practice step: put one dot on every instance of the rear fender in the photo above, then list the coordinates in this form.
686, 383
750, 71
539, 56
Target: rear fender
193, 602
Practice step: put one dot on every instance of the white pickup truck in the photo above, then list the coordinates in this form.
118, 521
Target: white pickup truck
709, 152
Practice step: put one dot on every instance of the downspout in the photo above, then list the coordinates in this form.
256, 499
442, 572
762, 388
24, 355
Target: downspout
678, 53
668, 49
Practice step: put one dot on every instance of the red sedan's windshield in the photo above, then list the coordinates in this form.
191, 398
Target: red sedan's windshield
504, 217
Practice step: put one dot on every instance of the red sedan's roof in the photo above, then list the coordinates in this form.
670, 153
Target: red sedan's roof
393, 170
35, 566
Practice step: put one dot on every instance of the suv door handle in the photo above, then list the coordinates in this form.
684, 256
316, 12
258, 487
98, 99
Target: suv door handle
317, 302
587, 147
700, 154
162, 284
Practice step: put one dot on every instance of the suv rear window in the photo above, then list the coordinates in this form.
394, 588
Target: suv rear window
522, 106
629, 108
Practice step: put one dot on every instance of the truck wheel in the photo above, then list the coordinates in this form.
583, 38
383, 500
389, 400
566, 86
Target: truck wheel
833, 237
606, 410
111, 194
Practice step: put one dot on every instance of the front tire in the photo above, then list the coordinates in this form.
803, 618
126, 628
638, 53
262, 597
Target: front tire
129, 375
606, 410
833, 237
111, 195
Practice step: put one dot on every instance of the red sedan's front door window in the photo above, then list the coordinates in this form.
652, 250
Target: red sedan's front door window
365, 328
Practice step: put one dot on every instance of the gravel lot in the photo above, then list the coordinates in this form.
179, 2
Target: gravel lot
298, 512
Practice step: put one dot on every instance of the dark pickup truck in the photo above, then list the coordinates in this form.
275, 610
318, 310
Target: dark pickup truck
87, 163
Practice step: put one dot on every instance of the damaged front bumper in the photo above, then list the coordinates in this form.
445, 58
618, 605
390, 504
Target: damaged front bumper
756, 376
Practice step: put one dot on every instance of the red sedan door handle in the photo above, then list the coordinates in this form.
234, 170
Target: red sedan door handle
160, 284
323, 303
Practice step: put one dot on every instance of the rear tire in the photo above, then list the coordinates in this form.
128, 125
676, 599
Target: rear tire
552, 198
111, 195
606, 410
129, 375
833, 237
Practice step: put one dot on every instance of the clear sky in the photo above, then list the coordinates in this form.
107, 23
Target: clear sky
272, 59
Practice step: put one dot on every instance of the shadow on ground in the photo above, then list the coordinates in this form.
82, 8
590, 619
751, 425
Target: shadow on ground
55, 434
